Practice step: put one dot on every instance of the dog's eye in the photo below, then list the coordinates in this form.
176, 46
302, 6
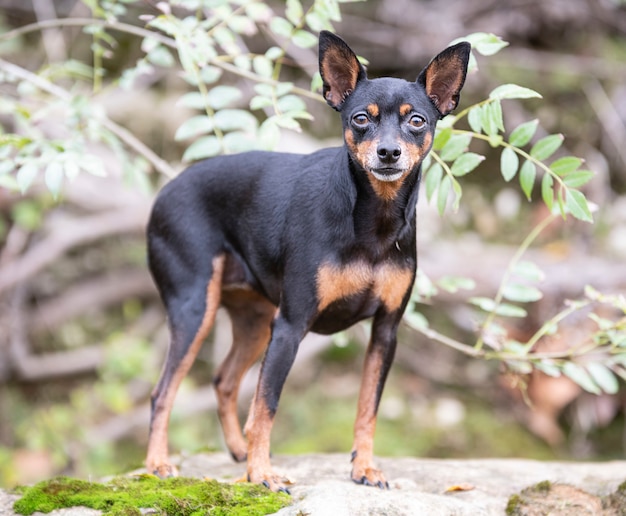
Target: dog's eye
417, 122
360, 120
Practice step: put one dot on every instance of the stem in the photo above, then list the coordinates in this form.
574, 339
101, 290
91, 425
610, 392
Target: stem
519, 151
128, 138
145, 33
541, 332
507, 274
443, 339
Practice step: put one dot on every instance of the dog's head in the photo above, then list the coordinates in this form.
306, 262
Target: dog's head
389, 124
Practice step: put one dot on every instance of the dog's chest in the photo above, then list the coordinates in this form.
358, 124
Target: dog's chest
386, 283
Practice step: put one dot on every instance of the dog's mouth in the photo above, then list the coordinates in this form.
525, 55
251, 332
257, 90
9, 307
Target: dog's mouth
387, 175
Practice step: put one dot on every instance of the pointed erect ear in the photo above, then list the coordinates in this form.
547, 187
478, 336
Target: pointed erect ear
339, 67
443, 78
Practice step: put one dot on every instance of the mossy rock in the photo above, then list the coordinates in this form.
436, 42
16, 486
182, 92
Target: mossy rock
125, 496
549, 498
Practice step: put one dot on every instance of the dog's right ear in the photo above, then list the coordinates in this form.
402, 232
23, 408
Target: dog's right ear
339, 67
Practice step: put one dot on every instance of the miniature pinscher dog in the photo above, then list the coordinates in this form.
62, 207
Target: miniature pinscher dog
292, 243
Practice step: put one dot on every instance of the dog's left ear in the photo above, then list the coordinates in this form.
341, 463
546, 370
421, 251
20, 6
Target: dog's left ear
444, 77
339, 67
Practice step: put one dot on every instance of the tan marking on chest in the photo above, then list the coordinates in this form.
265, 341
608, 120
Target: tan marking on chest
386, 190
389, 283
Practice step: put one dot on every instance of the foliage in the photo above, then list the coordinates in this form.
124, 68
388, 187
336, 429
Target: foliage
207, 40
132, 495
594, 365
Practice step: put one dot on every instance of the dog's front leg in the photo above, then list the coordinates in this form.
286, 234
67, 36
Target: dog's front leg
281, 353
378, 359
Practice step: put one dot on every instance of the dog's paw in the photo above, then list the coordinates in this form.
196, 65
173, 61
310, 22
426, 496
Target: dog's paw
369, 476
272, 481
163, 470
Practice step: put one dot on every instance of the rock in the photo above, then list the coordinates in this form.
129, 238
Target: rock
418, 486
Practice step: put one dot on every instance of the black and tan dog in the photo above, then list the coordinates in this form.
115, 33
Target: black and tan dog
289, 243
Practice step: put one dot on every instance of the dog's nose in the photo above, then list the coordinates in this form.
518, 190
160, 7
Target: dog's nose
388, 153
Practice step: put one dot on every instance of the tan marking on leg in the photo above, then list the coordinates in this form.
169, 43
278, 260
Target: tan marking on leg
363, 470
251, 315
334, 283
258, 430
391, 285
157, 456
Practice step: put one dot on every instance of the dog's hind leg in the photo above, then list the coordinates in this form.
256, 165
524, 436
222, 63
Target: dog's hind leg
251, 315
191, 311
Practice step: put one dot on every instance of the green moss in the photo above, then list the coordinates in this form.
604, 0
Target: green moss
124, 496
513, 505
542, 487
617, 500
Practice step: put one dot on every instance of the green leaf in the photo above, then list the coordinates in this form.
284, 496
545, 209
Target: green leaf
527, 176
8, 182
238, 141
263, 66
578, 178
316, 22
453, 284
291, 103
442, 193
503, 309
260, 102
26, 175
442, 136
513, 91
603, 376
433, 178
507, 310
491, 117
458, 193
274, 53
242, 25
474, 118
304, 39
529, 271
576, 203
161, 56
193, 99
485, 43
269, 134
581, 377
548, 367
547, 146
204, 147
547, 192
259, 12
521, 293
523, 133
221, 96
465, 163
281, 27
509, 163
243, 62
567, 165
194, 126
415, 320
455, 146
54, 177
294, 11
232, 119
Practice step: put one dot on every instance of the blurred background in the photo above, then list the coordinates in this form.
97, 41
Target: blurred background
83, 334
